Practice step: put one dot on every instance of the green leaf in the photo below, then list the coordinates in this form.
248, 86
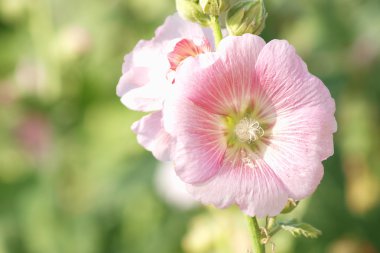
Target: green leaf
300, 229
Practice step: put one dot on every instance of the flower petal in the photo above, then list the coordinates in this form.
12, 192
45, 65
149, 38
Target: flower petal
146, 66
186, 48
152, 136
304, 118
134, 78
257, 191
200, 145
220, 93
176, 27
300, 140
285, 79
146, 98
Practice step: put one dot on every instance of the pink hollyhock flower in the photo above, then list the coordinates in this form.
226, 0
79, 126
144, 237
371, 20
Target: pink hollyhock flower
251, 124
149, 72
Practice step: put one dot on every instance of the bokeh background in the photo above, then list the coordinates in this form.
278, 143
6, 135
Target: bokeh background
74, 180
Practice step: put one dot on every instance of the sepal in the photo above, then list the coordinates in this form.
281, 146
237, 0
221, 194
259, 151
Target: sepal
300, 229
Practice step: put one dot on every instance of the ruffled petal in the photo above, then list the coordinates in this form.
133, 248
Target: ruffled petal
301, 136
134, 78
285, 79
146, 98
176, 27
152, 136
148, 64
299, 141
257, 191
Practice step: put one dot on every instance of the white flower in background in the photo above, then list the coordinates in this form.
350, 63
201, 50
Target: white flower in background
171, 188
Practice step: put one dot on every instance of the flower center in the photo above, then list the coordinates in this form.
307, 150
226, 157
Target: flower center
248, 130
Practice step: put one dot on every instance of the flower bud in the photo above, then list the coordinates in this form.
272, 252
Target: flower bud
246, 17
192, 11
214, 7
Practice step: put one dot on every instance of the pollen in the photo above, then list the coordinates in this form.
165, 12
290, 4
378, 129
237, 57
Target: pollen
248, 130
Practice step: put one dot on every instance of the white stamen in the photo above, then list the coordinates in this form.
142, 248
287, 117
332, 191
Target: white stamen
248, 130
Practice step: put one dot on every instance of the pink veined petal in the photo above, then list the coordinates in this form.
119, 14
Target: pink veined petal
285, 79
200, 147
186, 48
182, 88
304, 118
257, 191
204, 85
300, 140
152, 136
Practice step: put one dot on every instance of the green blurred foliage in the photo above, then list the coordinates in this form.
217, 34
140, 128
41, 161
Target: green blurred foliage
72, 176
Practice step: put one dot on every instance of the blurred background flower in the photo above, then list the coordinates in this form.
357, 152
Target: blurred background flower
73, 178
171, 188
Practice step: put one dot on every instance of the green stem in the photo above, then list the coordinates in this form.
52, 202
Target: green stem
258, 247
215, 26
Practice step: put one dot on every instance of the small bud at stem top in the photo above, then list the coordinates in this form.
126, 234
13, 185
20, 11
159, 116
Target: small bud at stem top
192, 11
246, 17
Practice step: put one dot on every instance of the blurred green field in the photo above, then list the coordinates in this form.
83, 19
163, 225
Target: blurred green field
73, 178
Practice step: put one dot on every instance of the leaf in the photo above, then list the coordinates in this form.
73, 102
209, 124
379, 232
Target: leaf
300, 229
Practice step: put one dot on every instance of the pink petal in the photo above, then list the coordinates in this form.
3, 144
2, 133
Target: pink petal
285, 79
304, 118
300, 140
147, 64
236, 59
257, 191
176, 27
186, 48
199, 148
152, 136
133, 59
146, 98
134, 78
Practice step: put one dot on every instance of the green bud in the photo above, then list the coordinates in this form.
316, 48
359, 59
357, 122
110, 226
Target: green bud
246, 17
214, 7
192, 11
290, 206
210, 7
